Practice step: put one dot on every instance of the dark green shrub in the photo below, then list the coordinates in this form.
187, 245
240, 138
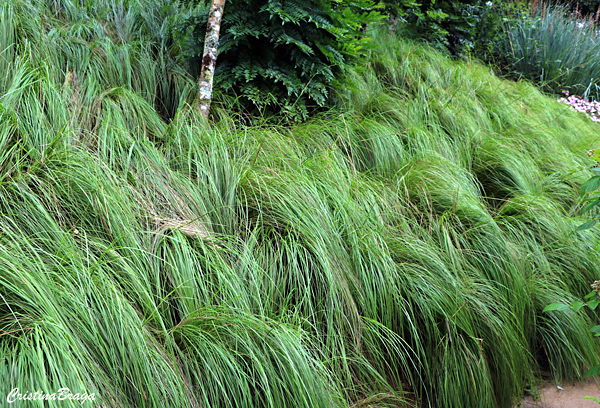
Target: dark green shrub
279, 55
458, 27
585, 7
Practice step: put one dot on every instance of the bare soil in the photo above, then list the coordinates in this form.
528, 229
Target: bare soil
571, 396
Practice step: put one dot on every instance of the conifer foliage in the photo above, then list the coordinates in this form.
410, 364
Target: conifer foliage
279, 55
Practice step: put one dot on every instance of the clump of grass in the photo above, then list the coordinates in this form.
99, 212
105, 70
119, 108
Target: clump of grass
397, 253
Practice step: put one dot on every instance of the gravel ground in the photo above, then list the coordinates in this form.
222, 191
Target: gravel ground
571, 396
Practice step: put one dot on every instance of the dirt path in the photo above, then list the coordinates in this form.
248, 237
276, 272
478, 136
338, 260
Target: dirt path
570, 397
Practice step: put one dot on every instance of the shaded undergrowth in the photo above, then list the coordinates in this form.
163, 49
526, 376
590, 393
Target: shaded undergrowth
397, 252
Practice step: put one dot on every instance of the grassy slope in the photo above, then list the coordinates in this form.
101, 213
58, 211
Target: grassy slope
407, 245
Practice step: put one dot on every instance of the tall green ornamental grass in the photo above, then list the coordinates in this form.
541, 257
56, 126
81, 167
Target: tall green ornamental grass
553, 48
396, 252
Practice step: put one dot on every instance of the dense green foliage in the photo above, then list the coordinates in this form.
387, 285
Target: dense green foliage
462, 28
397, 251
279, 55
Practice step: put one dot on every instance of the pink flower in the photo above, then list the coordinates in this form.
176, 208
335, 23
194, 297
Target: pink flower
590, 108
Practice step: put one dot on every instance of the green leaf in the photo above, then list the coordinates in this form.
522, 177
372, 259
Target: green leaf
593, 371
590, 295
590, 185
578, 305
593, 304
589, 206
596, 330
555, 306
586, 225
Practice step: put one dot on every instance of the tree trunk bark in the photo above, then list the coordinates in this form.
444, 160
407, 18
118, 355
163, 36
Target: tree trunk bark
209, 58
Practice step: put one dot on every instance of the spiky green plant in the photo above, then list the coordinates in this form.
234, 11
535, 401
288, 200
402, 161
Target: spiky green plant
551, 46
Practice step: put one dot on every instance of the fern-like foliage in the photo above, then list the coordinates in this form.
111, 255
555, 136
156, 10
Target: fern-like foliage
279, 55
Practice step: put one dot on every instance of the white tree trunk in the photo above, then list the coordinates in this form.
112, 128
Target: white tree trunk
209, 58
